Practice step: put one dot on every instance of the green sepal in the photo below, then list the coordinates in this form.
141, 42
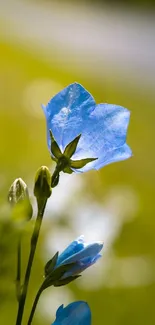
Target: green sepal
77, 164
55, 150
60, 270
54, 159
63, 282
57, 274
42, 186
68, 170
71, 147
51, 264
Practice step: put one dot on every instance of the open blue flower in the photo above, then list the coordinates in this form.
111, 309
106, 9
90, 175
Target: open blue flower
100, 129
76, 313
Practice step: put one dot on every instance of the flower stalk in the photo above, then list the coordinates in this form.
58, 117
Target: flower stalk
18, 276
34, 241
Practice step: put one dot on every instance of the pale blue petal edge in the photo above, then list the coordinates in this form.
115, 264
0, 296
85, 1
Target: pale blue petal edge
67, 113
90, 251
118, 154
82, 265
76, 246
76, 313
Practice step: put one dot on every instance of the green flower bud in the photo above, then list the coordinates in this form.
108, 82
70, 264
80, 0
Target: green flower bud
18, 198
42, 186
18, 191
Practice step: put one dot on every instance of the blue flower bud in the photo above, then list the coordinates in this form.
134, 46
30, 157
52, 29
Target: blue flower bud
66, 267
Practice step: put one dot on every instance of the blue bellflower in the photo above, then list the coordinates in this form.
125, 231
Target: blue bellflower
81, 254
66, 267
99, 130
76, 313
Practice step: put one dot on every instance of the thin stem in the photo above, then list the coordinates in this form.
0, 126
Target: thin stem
34, 240
18, 276
35, 305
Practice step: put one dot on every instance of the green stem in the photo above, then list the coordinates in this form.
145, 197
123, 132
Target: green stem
55, 178
34, 305
34, 240
18, 277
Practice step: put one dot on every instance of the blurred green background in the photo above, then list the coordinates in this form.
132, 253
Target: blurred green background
44, 46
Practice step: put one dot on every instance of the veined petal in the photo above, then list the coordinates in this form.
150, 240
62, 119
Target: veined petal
105, 130
82, 265
108, 157
103, 127
76, 313
76, 246
89, 251
67, 113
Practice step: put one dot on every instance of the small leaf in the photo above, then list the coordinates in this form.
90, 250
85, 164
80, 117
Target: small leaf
71, 147
51, 264
55, 150
81, 163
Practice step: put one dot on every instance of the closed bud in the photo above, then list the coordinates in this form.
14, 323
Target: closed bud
42, 186
18, 191
18, 198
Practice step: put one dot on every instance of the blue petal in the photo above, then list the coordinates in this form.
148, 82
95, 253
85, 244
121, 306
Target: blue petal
107, 157
76, 246
82, 265
89, 251
76, 313
105, 131
67, 113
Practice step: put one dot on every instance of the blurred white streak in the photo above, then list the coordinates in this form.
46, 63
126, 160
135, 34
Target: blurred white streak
104, 222
53, 298
119, 272
37, 92
58, 240
131, 272
96, 222
64, 195
85, 35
